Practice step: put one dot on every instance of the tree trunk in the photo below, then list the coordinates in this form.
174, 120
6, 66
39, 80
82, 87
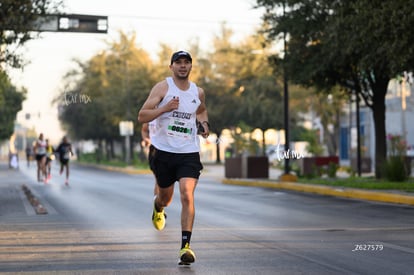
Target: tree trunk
131, 148
378, 111
98, 154
328, 138
111, 148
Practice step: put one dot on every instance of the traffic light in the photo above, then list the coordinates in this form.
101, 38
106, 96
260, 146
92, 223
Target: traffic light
83, 23
72, 23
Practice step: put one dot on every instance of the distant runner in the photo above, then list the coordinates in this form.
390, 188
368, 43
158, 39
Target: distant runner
65, 152
50, 151
40, 153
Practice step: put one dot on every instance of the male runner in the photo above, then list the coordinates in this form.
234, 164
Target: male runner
175, 104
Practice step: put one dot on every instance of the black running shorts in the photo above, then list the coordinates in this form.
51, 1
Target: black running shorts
171, 167
40, 156
64, 161
151, 155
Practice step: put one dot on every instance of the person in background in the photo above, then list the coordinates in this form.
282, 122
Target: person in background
50, 151
13, 154
148, 149
40, 153
28, 155
65, 152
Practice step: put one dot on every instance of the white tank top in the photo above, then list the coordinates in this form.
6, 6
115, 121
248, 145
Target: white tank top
151, 128
176, 131
41, 147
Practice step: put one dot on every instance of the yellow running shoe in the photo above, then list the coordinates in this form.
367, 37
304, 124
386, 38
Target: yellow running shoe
187, 256
158, 218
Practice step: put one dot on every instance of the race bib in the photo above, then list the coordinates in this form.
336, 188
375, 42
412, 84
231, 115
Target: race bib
179, 128
66, 155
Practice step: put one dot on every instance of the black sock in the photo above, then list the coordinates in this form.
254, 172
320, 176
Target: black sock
157, 208
185, 239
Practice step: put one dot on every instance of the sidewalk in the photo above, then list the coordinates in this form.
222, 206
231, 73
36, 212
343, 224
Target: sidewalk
13, 201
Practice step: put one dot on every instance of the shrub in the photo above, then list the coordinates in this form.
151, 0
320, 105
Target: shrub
331, 170
395, 167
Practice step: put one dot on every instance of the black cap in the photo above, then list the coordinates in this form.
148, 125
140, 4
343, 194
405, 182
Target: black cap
179, 54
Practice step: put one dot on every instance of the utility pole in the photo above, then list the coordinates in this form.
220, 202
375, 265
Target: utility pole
403, 106
286, 176
358, 126
286, 103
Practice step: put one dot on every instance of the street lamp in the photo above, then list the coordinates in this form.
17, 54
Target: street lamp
285, 101
286, 176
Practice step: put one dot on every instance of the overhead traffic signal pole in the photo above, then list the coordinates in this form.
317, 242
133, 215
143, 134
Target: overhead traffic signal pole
72, 23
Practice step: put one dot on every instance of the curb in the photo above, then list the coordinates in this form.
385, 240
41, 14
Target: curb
37, 206
353, 193
131, 171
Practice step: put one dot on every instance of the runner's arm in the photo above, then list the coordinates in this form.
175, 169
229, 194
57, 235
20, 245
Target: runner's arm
202, 114
149, 110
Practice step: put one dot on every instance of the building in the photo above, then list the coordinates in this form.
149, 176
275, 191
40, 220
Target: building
399, 113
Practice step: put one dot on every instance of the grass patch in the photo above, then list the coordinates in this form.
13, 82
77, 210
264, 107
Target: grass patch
362, 183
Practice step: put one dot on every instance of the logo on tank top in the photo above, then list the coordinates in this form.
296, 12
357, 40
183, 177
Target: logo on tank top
184, 115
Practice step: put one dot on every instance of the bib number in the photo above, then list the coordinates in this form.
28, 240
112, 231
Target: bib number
180, 128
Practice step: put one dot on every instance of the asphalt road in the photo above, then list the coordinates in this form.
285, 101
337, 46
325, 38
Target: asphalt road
101, 225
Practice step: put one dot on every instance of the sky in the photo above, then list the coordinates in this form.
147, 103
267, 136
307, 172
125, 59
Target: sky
154, 22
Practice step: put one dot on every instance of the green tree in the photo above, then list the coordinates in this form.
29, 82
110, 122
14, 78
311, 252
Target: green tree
115, 81
119, 79
240, 84
357, 44
11, 100
259, 90
17, 19
329, 109
312, 137
217, 76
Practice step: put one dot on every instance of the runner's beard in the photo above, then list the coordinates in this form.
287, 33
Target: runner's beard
182, 76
